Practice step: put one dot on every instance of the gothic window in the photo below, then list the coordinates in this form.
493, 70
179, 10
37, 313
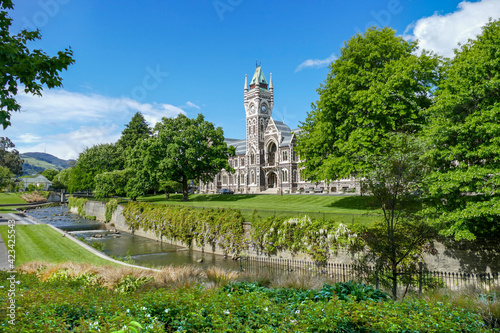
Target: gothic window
285, 155
252, 177
284, 175
242, 161
252, 158
271, 157
294, 176
242, 178
224, 179
236, 163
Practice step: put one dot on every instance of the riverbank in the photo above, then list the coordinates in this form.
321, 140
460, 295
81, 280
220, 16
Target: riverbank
42, 242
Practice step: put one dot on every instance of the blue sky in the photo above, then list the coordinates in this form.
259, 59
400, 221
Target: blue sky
168, 57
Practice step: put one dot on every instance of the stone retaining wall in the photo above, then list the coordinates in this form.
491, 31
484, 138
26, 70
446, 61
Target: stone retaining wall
469, 257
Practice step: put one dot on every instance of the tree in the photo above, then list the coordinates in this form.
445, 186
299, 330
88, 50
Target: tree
5, 177
182, 149
50, 174
464, 135
169, 186
137, 129
10, 159
93, 161
376, 87
112, 183
394, 183
32, 69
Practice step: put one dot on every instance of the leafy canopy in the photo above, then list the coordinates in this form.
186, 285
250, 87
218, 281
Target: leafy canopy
31, 69
181, 149
464, 135
9, 157
376, 87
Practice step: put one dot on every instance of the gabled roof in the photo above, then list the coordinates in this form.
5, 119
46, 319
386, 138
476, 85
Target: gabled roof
258, 78
37, 179
240, 145
286, 133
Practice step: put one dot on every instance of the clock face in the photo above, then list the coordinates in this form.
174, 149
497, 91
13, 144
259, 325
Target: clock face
263, 108
252, 108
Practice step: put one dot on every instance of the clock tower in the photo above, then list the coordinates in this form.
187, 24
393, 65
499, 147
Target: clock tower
259, 102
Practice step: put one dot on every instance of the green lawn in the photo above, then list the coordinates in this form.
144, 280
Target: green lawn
10, 198
41, 242
346, 209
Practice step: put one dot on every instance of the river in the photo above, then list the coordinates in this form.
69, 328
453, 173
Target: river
142, 251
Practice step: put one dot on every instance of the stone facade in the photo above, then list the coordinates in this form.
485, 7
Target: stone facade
265, 160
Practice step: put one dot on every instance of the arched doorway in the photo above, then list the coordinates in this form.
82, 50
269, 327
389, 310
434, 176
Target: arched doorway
272, 180
271, 153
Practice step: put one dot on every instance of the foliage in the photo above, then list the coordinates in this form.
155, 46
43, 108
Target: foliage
130, 284
9, 157
344, 291
136, 130
50, 174
206, 227
377, 86
5, 177
111, 206
318, 239
181, 149
401, 237
79, 203
464, 133
31, 69
93, 161
62, 306
112, 183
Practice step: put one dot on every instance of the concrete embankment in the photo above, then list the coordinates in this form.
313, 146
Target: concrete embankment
471, 257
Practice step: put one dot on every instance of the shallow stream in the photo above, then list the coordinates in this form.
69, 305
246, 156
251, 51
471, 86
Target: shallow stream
142, 251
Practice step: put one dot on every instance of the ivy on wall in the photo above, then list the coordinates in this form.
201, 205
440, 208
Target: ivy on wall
111, 206
78, 203
318, 239
206, 227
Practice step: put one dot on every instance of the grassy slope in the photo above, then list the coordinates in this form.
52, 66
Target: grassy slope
39, 163
40, 242
342, 208
9, 198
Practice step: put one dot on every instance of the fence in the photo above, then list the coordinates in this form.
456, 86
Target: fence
417, 280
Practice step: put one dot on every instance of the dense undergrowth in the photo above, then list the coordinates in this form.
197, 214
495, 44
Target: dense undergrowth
56, 299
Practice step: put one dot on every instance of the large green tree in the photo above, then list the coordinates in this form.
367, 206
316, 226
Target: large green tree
9, 157
137, 129
31, 69
93, 161
181, 149
465, 136
377, 86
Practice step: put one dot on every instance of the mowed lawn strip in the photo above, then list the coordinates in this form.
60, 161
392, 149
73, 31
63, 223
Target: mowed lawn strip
8, 199
346, 209
42, 243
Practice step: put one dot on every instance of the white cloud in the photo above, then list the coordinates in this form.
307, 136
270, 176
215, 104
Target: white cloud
192, 105
316, 63
442, 33
63, 123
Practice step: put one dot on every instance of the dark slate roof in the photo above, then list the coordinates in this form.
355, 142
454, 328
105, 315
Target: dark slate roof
239, 144
286, 133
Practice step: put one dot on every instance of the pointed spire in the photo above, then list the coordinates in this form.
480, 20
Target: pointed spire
246, 83
271, 81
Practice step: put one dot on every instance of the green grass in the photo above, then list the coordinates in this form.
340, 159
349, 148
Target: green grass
10, 198
42, 243
346, 209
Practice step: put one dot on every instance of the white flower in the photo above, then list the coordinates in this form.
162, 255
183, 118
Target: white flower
148, 315
266, 309
297, 311
128, 311
226, 312
144, 308
167, 310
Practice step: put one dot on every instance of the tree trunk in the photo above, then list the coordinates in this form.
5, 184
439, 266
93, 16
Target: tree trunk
185, 189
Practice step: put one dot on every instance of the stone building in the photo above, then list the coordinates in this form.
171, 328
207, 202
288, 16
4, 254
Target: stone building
265, 160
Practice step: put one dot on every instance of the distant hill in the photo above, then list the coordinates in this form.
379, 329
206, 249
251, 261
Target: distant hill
36, 162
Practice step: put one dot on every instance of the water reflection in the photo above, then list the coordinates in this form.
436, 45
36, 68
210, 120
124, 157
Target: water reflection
142, 251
